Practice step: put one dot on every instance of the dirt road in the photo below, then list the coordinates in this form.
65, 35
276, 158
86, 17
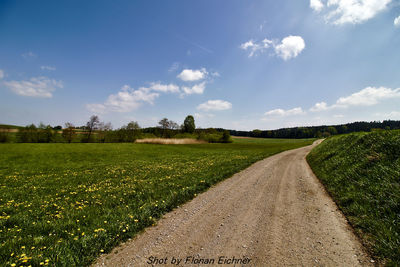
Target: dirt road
274, 213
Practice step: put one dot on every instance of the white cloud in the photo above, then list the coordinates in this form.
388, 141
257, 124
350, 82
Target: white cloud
214, 105
317, 5
35, 87
97, 108
189, 75
195, 89
127, 99
283, 113
51, 68
256, 47
165, 88
354, 11
396, 22
368, 96
321, 106
28, 55
247, 45
290, 47
1, 74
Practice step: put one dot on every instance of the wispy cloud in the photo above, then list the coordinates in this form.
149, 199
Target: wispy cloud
127, 99
320, 106
283, 113
165, 88
1, 74
36, 87
174, 67
203, 48
290, 47
254, 47
195, 89
49, 68
215, 105
29, 55
368, 97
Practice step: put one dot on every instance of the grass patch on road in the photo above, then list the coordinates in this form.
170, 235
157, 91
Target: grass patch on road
361, 171
64, 204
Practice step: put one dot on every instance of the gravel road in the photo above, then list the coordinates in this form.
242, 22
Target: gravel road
274, 213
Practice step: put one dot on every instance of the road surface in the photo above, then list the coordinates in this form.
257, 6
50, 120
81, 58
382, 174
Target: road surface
274, 213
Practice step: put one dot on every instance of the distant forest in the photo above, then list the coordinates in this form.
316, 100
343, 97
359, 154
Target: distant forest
100, 132
320, 131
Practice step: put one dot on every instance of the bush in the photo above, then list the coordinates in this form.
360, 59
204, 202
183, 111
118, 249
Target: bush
216, 137
4, 137
185, 135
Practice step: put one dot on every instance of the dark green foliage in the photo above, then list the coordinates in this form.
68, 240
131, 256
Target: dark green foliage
362, 173
226, 137
68, 202
318, 131
188, 124
4, 137
28, 134
69, 132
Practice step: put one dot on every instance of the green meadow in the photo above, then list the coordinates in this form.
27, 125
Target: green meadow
65, 204
361, 171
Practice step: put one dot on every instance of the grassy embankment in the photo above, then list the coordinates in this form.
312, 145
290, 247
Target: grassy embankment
361, 171
64, 204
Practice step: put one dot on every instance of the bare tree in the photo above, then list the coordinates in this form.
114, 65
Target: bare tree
91, 125
173, 125
164, 124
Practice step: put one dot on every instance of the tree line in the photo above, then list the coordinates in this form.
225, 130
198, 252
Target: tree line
96, 131
320, 131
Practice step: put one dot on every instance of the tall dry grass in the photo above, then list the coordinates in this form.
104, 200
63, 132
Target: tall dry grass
170, 141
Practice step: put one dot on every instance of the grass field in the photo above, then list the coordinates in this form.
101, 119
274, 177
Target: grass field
362, 173
64, 204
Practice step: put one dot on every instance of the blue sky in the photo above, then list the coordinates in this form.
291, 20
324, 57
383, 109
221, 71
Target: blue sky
235, 64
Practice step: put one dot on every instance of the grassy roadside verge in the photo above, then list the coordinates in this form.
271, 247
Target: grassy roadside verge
64, 204
361, 171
